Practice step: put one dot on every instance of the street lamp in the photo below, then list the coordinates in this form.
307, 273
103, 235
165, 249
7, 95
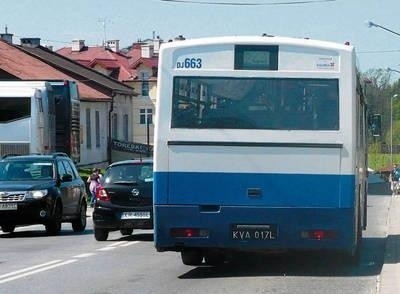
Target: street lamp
372, 24
391, 128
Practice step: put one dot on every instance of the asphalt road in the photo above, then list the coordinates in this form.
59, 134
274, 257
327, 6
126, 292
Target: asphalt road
31, 262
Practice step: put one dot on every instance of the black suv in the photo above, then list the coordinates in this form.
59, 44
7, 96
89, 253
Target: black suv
41, 189
125, 199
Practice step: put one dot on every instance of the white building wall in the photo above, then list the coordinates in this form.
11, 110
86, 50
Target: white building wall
123, 106
94, 154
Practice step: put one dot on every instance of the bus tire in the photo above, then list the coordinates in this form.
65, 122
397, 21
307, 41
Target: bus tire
354, 257
191, 257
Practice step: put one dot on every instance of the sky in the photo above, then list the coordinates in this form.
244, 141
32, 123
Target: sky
57, 23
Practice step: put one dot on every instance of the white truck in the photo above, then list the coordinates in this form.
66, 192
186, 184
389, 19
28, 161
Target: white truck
27, 117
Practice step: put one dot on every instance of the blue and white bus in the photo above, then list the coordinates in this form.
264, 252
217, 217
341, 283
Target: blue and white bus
260, 144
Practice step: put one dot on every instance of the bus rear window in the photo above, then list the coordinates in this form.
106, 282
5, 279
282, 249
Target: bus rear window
248, 103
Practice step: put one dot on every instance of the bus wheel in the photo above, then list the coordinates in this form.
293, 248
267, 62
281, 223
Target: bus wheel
354, 257
214, 258
191, 257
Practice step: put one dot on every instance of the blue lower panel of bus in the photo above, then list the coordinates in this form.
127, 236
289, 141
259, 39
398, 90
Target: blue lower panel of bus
237, 210
255, 189
253, 228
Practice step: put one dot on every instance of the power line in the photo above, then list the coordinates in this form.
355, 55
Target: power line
45, 40
378, 51
247, 4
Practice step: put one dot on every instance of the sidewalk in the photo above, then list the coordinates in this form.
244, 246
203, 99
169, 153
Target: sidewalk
390, 275
89, 212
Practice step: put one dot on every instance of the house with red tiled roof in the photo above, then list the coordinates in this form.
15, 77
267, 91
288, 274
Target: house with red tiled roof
103, 99
135, 66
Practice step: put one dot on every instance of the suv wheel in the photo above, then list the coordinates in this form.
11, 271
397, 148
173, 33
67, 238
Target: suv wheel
126, 232
100, 234
8, 228
53, 227
79, 224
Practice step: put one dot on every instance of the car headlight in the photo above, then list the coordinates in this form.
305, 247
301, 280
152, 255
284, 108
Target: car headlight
36, 194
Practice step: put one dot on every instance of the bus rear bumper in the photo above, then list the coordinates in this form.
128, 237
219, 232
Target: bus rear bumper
254, 228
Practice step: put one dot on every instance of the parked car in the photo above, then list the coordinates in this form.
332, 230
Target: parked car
124, 200
41, 189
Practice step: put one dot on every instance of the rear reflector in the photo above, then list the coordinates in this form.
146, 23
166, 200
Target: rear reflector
189, 233
318, 234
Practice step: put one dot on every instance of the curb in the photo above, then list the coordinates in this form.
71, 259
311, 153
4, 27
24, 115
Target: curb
390, 274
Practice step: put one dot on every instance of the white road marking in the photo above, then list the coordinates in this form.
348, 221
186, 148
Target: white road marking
117, 243
29, 268
83, 255
37, 271
108, 248
58, 262
129, 243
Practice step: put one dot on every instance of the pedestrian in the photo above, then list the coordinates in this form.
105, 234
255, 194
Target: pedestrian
94, 182
99, 173
395, 175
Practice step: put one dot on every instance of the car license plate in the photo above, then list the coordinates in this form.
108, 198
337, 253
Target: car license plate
8, 206
254, 232
135, 215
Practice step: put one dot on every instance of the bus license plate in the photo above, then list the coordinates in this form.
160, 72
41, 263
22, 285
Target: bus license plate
8, 206
254, 232
135, 215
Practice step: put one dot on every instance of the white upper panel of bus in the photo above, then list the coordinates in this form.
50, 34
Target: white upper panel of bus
22, 88
217, 53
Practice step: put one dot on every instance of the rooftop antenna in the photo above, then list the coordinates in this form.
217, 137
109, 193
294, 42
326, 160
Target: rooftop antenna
103, 22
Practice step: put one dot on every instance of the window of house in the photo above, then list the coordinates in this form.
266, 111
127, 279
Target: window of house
88, 130
146, 116
145, 84
125, 127
115, 126
97, 118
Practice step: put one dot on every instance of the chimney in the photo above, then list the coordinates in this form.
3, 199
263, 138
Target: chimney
147, 51
6, 36
113, 45
77, 45
156, 44
30, 42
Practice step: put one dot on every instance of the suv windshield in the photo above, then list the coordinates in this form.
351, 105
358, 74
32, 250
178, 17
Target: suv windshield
142, 172
26, 170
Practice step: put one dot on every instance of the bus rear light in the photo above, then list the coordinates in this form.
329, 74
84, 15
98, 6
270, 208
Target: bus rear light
101, 194
189, 233
318, 234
